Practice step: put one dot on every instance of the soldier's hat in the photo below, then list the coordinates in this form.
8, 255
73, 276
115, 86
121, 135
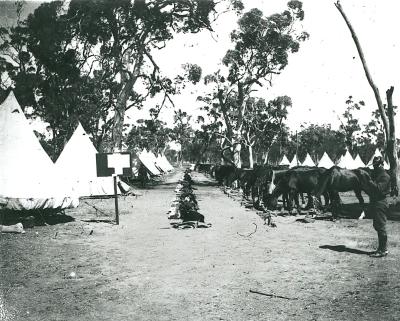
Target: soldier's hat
378, 160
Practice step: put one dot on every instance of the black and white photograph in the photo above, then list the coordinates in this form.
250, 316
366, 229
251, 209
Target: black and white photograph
199, 160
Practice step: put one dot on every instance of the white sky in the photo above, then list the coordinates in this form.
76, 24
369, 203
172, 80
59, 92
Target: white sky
324, 72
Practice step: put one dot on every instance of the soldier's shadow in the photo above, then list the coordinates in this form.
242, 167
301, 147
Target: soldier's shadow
344, 248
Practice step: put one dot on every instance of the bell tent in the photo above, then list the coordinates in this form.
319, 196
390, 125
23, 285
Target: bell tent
148, 162
284, 161
358, 162
78, 164
295, 162
325, 161
28, 177
308, 161
347, 161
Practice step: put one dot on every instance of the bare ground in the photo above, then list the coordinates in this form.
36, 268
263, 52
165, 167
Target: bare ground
146, 270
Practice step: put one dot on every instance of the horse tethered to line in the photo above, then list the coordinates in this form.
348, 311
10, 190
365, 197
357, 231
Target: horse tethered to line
291, 184
336, 180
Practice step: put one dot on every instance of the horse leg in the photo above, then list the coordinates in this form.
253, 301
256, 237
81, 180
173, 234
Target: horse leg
285, 201
253, 194
361, 200
336, 205
310, 202
290, 203
262, 197
298, 206
327, 200
294, 195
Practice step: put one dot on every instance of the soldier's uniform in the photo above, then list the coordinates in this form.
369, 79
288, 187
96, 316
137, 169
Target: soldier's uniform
380, 187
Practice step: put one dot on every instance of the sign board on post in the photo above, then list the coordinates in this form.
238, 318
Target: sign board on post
108, 164
105, 163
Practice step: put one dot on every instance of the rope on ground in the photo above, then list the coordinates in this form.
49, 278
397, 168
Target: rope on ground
96, 208
250, 233
272, 295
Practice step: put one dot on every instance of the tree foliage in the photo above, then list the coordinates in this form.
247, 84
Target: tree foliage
261, 47
85, 59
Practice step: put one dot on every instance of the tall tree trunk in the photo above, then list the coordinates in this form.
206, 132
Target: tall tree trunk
391, 146
387, 118
366, 70
237, 160
118, 122
266, 155
251, 160
128, 80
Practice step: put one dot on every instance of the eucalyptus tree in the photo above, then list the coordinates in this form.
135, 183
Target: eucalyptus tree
263, 123
120, 36
94, 59
261, 47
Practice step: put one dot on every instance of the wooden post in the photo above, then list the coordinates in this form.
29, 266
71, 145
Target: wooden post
116, 200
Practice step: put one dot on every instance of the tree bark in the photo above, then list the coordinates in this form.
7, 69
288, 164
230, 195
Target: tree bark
391, 147
387, 118
128, 80
237, 161
366, 70
266, 154
119, 116
251, 160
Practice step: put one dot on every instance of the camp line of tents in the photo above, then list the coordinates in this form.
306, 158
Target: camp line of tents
346, 161
30, 180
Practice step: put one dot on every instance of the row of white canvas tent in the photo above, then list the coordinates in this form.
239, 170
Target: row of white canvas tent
30, 180
346, 161
156, 165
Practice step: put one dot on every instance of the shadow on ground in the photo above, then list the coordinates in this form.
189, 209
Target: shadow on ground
353, 211
344, 248
99, 221
34, 218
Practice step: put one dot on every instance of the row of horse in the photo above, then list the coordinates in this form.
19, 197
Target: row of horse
265, 184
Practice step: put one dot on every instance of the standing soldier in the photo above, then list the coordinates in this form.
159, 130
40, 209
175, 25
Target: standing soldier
380, 187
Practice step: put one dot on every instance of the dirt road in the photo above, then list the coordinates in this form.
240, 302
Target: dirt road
146, 270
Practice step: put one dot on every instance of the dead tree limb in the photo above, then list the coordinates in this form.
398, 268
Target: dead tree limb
387, 116
366, 70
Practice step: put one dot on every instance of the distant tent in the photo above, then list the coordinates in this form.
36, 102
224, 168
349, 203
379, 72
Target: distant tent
358, 162
295, 162
308, 161
28, 178
167, 163
153, 159
325, 161
148, 162
163, 163
159, 164
284, 161
78, 164
378, 153
347, 161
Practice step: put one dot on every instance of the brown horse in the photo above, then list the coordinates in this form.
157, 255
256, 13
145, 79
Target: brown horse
294, 182
337, 179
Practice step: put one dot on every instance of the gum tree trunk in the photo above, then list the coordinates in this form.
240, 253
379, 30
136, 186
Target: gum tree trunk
391, 149
251, 160
387, 116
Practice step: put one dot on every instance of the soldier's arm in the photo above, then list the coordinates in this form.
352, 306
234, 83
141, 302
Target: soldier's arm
383, 183
380, 185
